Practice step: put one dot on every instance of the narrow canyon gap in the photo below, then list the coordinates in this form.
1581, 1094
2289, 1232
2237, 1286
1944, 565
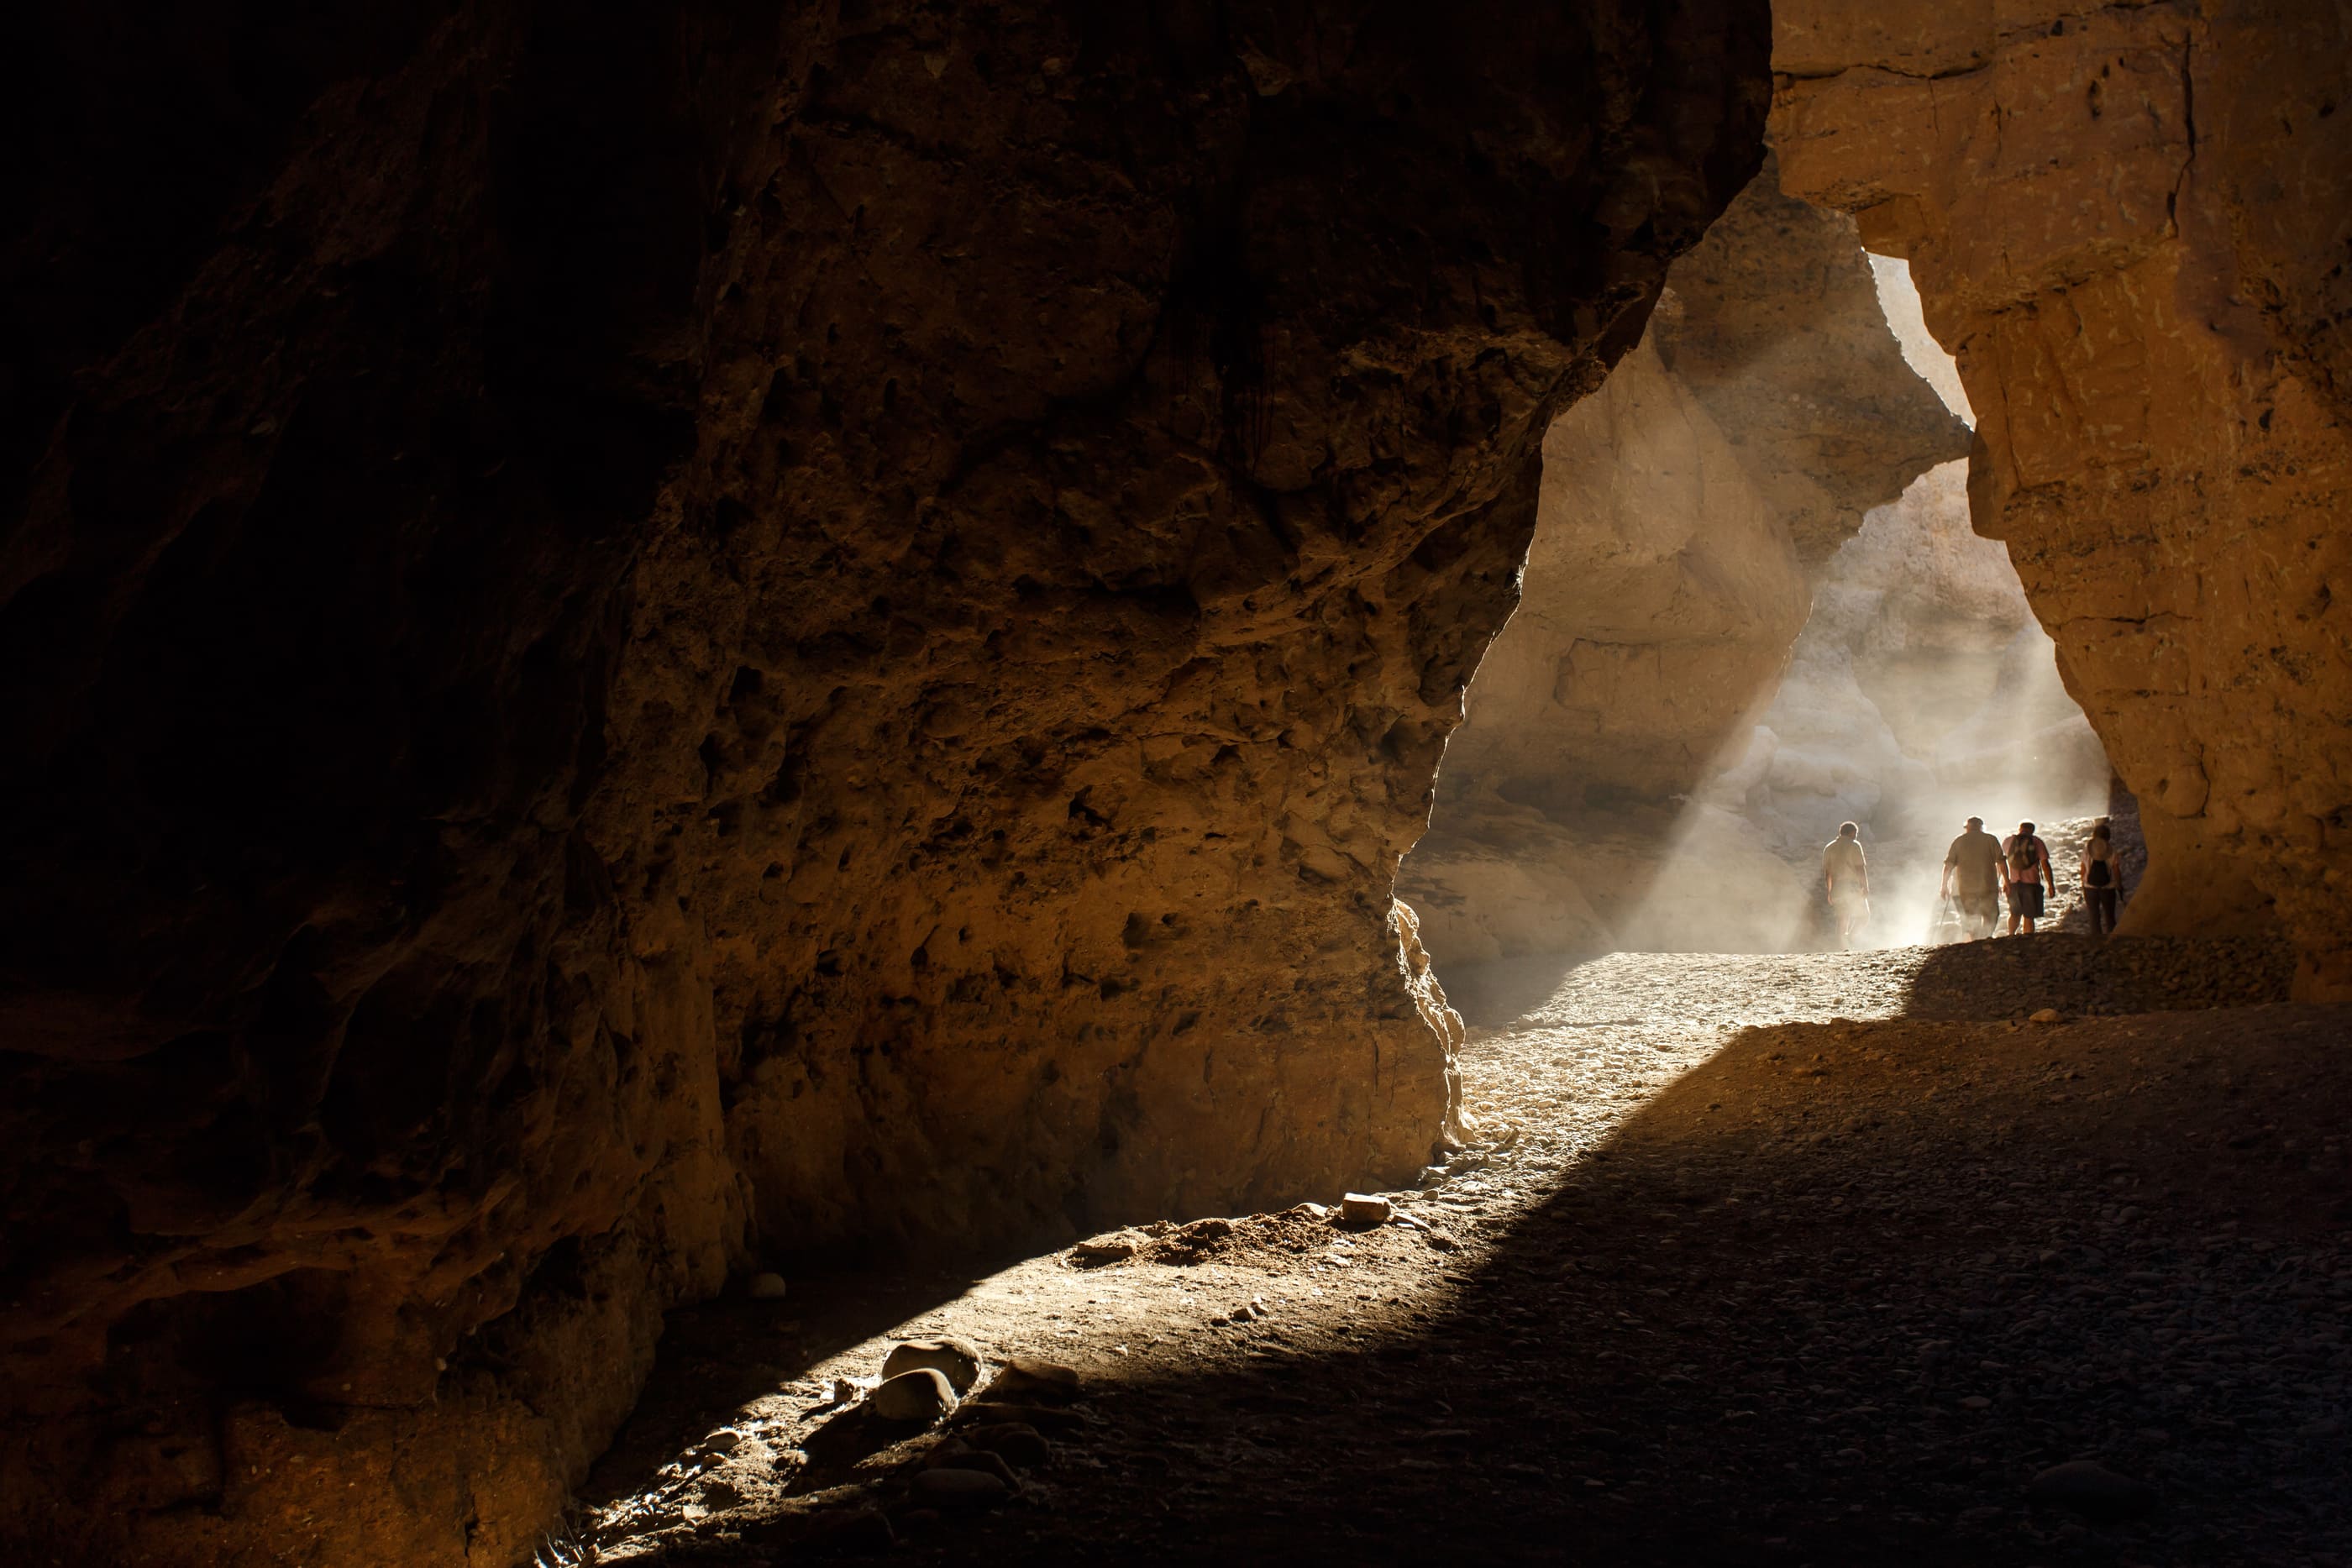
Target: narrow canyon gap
633, 641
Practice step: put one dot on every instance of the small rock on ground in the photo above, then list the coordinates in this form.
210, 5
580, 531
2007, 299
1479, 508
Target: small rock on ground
956, 1360
918, 1397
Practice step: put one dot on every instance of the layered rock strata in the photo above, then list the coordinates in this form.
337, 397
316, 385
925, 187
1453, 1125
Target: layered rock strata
636, 635
1683, 506
2129, 224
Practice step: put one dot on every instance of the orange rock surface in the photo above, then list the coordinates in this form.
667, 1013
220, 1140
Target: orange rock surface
2128, 225
638, 638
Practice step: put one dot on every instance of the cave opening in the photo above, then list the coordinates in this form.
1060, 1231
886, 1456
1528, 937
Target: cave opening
1754, 609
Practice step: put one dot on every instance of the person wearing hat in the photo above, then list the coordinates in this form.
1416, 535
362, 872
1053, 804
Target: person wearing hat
1972, 872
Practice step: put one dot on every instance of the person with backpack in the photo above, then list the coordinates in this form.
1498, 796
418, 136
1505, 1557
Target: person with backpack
2102, 878
2027, 859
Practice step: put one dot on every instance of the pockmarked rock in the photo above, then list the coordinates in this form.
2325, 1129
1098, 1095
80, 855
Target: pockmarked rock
695, 677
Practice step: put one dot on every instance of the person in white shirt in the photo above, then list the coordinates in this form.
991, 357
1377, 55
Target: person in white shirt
1845, 877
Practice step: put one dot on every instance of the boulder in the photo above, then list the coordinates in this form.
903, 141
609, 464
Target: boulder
919, 1397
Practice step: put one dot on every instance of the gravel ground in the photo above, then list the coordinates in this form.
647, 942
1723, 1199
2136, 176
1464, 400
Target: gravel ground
1800, 1259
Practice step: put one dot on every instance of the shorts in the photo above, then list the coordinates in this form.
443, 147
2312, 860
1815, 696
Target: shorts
1980, 909
2025, 899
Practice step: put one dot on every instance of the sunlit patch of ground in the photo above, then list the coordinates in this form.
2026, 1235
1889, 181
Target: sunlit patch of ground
1747, 1265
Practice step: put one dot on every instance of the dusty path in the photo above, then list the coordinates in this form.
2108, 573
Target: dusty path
1809, 1259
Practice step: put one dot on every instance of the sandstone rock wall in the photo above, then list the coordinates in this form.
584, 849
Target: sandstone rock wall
635, 635
2128, 224
1767, 408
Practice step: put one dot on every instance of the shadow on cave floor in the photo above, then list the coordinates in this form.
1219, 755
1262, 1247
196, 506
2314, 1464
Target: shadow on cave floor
1815, 1291
1499, 993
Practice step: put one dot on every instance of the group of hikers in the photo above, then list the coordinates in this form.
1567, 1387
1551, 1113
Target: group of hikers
1978, 869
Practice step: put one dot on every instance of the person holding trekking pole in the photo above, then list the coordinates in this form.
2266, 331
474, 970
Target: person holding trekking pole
1973, 876
2027, 859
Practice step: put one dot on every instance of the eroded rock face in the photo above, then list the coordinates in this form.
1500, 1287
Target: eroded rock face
1768, 407
2128, 225
1775, 324
635, 638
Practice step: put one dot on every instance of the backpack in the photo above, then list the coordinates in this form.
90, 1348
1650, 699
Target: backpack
2100, 871
2024, 859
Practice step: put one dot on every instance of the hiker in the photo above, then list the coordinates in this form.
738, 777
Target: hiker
1972, 875
1845, 875
2028, 860
2102, 875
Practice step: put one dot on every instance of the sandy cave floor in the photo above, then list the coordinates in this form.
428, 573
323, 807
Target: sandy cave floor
1808, 1258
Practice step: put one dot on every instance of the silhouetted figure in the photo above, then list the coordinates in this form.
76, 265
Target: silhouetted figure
2028, 862
1845, 877
1972, 877
2103, 878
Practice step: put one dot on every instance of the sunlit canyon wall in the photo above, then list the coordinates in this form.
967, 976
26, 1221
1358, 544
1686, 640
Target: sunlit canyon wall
2130, 224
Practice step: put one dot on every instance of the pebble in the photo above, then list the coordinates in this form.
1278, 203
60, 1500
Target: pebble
2045, 1015
768, 1287
956, 1360
1362, 1209
918, 1397
2090, 1488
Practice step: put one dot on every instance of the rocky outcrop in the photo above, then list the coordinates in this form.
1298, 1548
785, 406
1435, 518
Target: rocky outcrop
1775, 324
1768, 407
638, 637
2128, 225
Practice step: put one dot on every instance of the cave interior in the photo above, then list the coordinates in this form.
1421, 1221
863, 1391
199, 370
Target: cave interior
1014, 779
